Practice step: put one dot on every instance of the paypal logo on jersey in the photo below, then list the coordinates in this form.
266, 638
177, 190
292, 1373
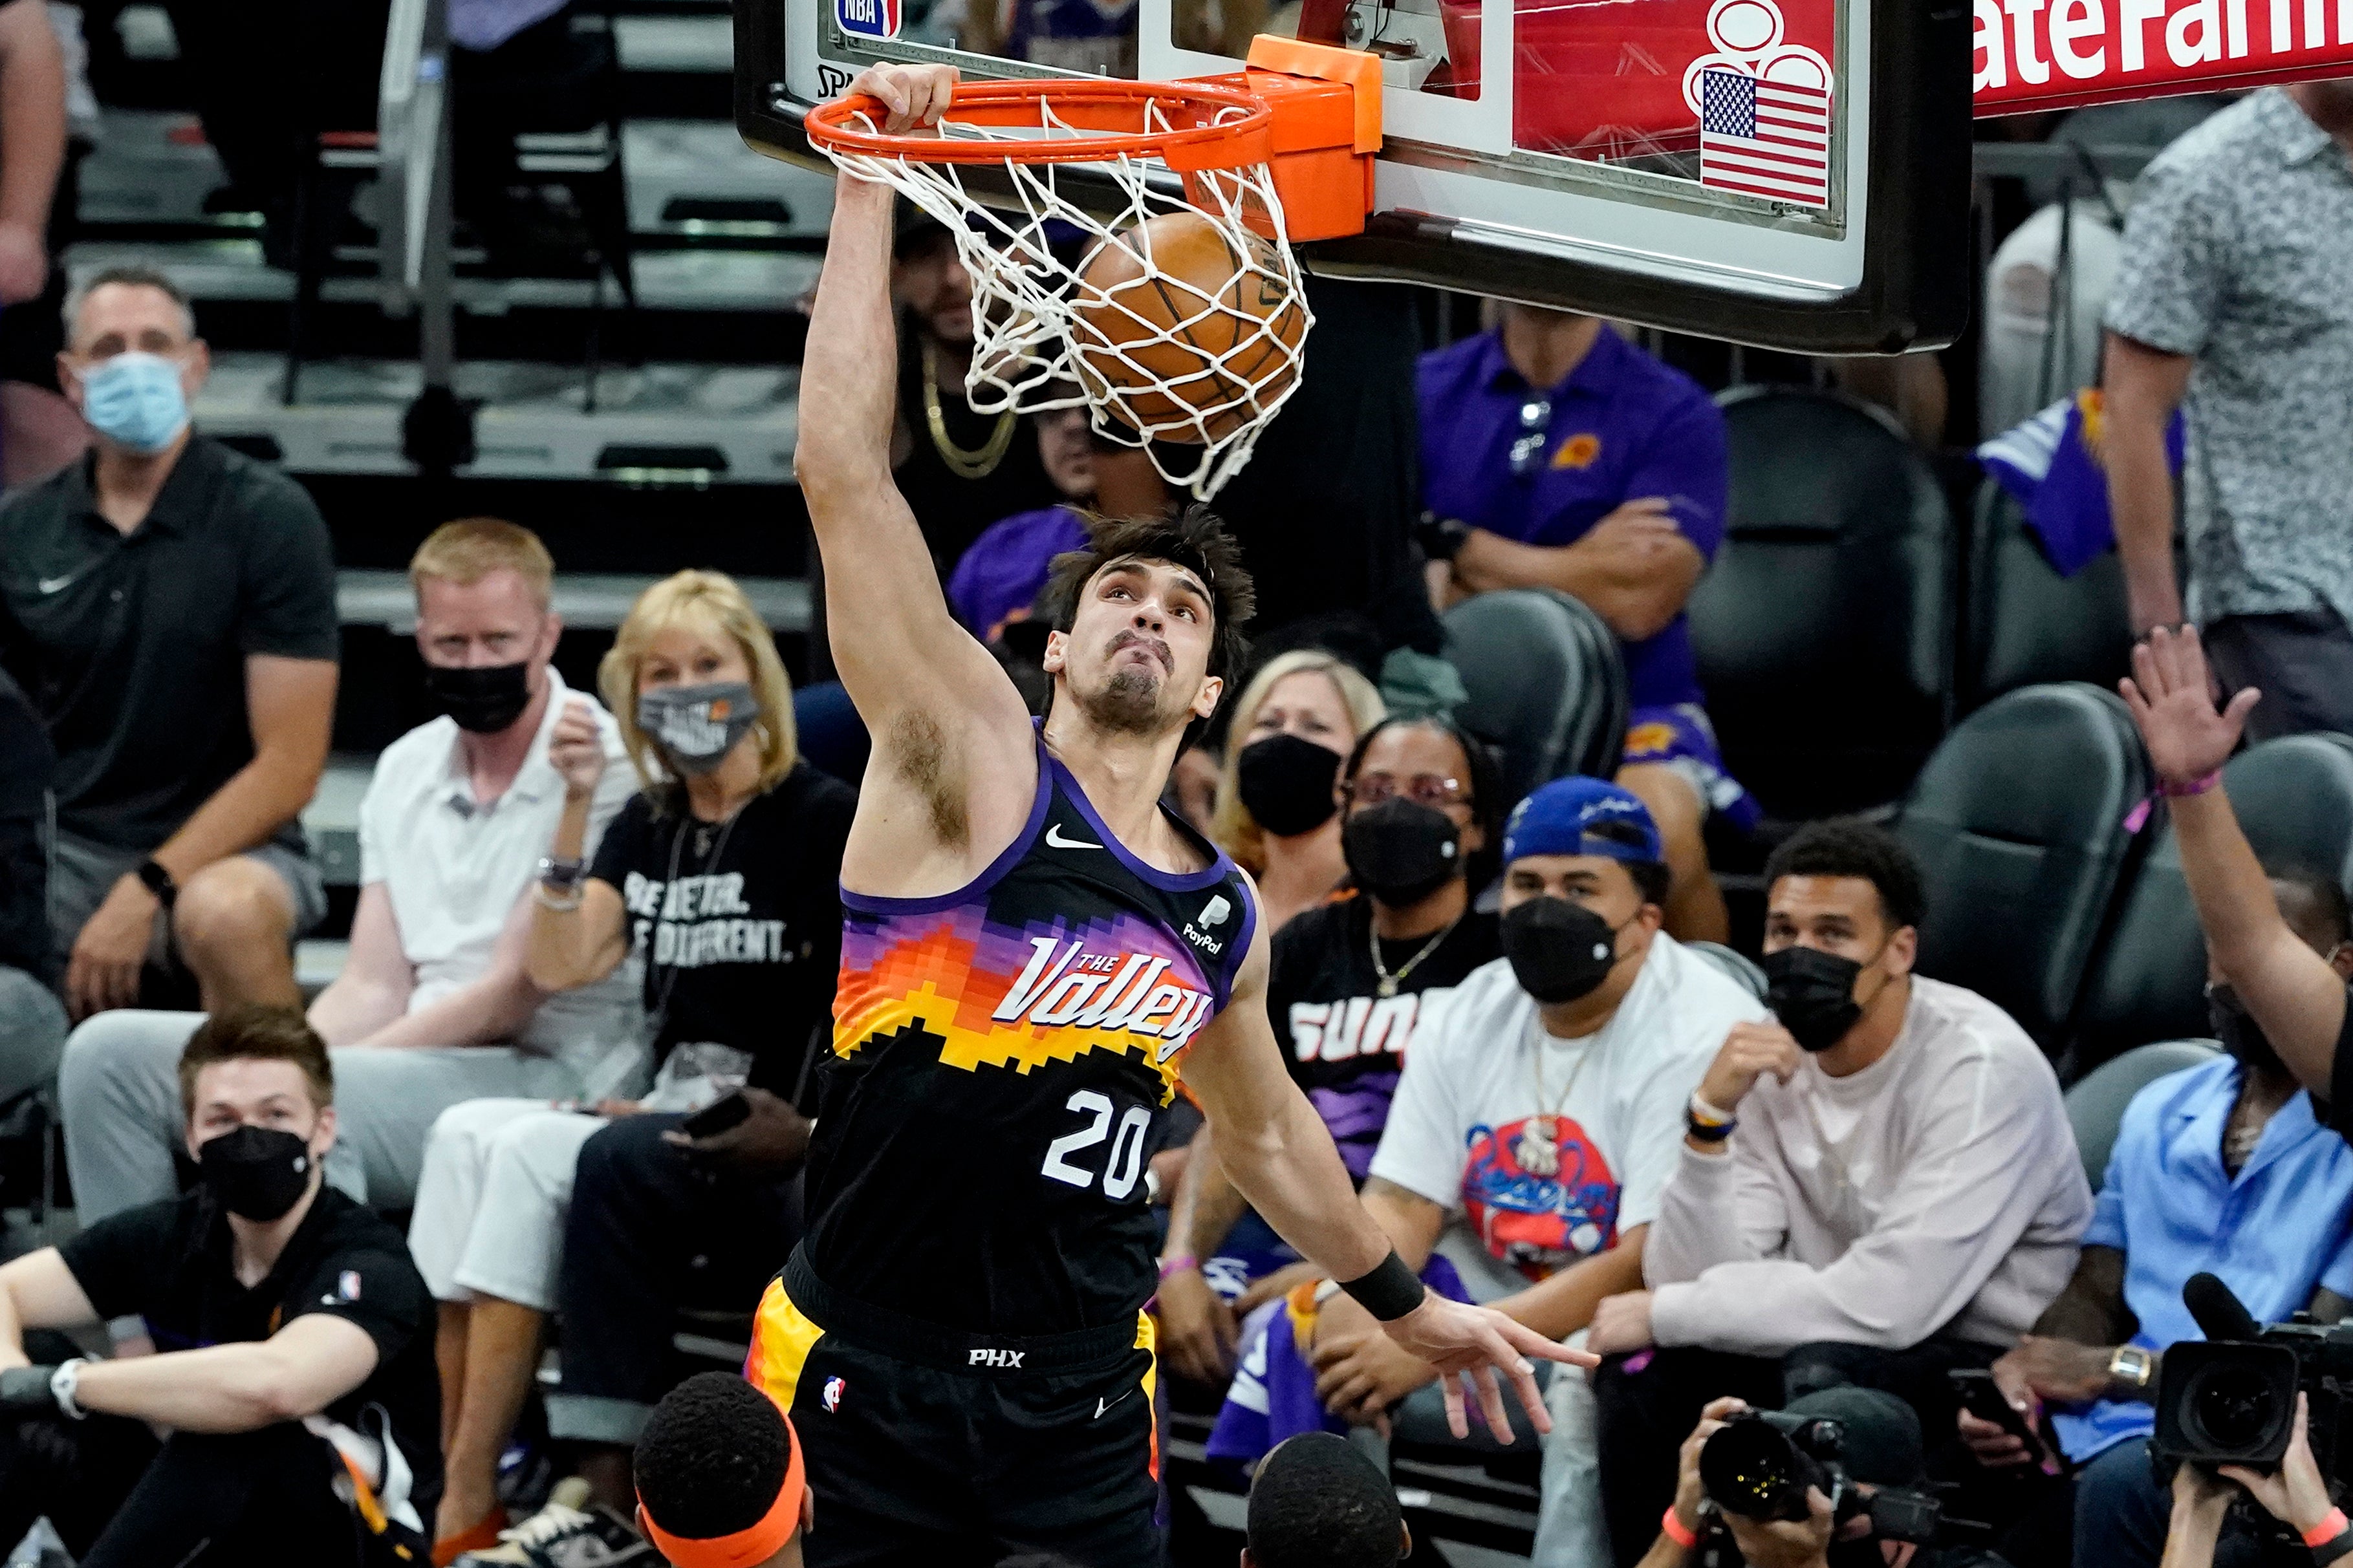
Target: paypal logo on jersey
1214, 912
868, 18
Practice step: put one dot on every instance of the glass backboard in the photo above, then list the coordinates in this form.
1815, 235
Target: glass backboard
1790, 173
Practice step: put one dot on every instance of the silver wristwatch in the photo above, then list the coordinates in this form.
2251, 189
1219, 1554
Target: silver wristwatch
63, 1383
562, 876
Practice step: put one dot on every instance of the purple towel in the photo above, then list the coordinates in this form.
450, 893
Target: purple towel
1273, 1391
2055, 471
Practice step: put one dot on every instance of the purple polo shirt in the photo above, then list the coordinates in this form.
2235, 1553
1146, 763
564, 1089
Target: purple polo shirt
1623, 425
1000, 575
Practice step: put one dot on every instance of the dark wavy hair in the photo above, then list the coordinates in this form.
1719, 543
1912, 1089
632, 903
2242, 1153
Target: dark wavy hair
1194, 539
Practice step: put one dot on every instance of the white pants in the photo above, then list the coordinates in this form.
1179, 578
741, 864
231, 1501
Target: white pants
491, 1199
1570, 1530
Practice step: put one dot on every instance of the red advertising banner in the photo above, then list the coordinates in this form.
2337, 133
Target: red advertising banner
2057, 54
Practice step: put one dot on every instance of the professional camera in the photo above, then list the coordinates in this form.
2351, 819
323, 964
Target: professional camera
2232, 1399
1762, 1462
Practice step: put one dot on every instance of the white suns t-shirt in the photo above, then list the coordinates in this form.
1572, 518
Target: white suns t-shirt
1617, 1098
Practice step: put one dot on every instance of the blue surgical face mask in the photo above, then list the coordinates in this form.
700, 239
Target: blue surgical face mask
134, 400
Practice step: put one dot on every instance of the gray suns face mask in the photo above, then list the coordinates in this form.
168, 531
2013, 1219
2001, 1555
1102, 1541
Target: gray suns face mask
699, 725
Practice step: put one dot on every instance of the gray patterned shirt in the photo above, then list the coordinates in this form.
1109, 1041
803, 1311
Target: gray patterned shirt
2239, 251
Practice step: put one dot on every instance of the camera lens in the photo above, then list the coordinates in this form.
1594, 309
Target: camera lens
2231, 1409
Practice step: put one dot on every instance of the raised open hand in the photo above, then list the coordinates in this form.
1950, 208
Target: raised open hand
2169, 693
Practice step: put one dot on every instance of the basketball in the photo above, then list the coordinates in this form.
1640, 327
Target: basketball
1185, 336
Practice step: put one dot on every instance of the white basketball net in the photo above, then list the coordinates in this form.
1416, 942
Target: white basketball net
1220, 373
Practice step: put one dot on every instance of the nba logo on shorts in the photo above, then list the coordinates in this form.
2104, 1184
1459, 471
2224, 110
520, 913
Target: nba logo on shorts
831, 1399
868, 18
348, 1285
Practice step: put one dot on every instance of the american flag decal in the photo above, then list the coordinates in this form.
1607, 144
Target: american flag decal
1768, 139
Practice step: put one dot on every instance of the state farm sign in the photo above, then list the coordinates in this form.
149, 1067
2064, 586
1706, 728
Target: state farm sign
2056, 54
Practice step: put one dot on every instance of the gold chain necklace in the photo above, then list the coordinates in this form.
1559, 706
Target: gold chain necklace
1538, 1145
969, 465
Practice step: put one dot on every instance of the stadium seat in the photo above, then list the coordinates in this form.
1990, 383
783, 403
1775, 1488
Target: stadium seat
2095, 1106
1547, 689
2028, 625
2017, 821
1739, 966
2294, 797
1824, 627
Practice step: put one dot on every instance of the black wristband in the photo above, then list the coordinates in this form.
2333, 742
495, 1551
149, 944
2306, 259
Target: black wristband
1440, 538
158, 882
2329, 1551
1707, 1131
1390, 1292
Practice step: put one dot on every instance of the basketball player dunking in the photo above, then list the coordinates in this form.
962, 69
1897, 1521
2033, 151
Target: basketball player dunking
1034, 950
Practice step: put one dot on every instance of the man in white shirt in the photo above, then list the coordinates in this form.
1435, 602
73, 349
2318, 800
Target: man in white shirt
434, 1004
1878, 1189
1532, 1130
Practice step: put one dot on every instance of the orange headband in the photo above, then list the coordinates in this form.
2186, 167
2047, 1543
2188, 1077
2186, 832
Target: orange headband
754, 1543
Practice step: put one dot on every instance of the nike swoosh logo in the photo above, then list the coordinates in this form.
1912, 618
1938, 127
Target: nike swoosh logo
1054, 837
51, 584
1101, 1406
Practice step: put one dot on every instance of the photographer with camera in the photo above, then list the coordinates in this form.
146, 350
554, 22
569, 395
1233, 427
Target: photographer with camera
2220, 1167
1831, 1482
2296, 997
2297, 1494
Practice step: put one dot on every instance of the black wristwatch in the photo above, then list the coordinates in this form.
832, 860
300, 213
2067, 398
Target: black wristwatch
1440, 538
158, 882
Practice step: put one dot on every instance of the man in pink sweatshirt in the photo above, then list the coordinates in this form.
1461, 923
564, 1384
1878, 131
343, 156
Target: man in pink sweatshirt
1877, 1186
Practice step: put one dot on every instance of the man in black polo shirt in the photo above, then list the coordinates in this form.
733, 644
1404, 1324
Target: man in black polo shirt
169, 606
2272, 982
295, 1366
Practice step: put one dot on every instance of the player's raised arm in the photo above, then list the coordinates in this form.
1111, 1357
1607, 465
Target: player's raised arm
1277, 1150
951, 734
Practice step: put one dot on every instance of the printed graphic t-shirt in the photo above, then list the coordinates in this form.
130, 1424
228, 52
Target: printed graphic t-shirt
1471, 1089
738, 924
1346, 1043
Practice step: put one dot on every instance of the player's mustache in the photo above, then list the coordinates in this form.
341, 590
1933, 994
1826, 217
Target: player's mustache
1159, 649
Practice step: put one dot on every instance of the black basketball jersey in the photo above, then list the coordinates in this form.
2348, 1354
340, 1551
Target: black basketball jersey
999, 1054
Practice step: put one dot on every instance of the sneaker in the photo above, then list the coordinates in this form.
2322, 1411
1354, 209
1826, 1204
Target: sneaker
567, 1533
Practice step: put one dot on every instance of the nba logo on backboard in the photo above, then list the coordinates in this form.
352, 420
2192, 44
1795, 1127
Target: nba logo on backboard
868, 18
832, 1396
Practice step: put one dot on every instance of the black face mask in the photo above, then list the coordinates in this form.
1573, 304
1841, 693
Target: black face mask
1560, 951
1400, 850
2240, 1034
484, 699
258, 1172
1812, 993
1286, 783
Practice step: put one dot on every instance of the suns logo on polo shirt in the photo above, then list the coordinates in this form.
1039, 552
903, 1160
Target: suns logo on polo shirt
1579, 451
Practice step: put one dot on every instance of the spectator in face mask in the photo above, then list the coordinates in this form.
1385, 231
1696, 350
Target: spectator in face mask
436, 1003
1536, 1122
722, 876
169, 606
290, 1416
1278, 811
1352, 983
2220, 1169
1876, 1187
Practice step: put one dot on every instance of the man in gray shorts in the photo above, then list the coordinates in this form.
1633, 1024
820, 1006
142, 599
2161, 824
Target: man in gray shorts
435, 1003
169, 607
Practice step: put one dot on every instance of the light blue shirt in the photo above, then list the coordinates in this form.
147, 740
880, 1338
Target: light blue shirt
2273, 1235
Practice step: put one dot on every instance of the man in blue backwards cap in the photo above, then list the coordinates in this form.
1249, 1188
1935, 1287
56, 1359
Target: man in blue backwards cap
1538, 1118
